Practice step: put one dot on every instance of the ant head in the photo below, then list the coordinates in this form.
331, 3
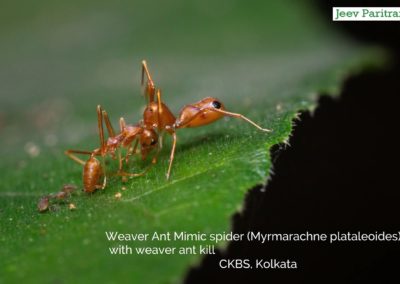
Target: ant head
148, 141
210, 103
201, 113
148, 138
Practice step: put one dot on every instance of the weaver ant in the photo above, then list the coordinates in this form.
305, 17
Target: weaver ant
93, 169
157, 119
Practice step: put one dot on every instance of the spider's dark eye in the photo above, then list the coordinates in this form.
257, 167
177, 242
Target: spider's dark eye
216, 104
153, 142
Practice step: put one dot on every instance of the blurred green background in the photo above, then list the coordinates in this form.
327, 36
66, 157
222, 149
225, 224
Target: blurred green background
59, 59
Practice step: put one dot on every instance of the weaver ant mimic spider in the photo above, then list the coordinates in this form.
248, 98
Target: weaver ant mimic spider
158, 116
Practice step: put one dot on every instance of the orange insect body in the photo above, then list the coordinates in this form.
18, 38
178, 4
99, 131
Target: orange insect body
203, 112
93, 169
157, 118
198, 114
92, 172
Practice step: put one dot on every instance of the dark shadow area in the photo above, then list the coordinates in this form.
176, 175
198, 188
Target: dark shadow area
340, 174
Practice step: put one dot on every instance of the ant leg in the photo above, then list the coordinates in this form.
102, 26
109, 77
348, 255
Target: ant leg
145, 69
122, 124
171, 158
160, 140
104, 182
102, 143
133, 136
102, 186
131, 151
159, 101
70, 154
160, 144
103, 164
125, 174
111, 133
149, 88
238, 115
159, 109
110, 129
100, 126
154, 159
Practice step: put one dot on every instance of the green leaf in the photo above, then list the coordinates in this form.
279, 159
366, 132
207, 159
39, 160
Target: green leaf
266, 60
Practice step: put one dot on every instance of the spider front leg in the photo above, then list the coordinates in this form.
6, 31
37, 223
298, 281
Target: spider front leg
241, 116
71, 154
149, 89
110, 129
111, 134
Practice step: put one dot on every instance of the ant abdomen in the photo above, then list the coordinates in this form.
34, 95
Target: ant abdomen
92, 172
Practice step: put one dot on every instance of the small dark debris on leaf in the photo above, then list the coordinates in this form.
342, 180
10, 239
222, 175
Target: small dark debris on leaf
43, 204
66, 191
54, 207
60, 195
68, 188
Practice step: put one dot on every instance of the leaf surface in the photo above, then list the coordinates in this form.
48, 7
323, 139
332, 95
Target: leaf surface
267, 61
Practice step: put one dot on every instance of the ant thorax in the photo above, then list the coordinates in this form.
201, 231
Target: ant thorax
158, 115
